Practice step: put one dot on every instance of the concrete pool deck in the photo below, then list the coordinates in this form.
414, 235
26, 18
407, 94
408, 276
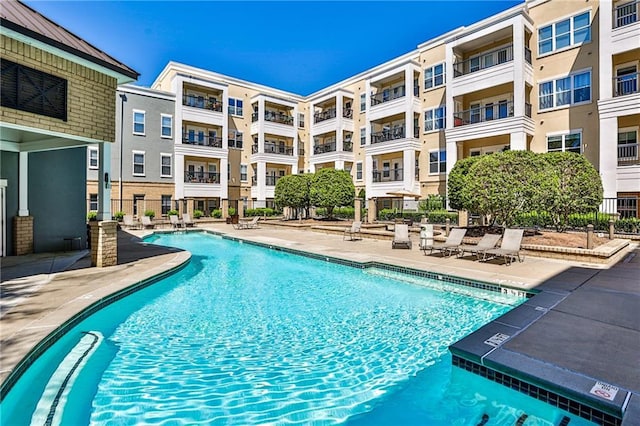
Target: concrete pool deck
585, 322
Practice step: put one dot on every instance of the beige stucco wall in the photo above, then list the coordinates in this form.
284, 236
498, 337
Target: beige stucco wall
90, 94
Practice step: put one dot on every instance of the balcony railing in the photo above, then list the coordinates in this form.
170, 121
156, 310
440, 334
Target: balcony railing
201, 177
273, 148
347, 113
327, 114
324, 147
202, 102
527, 55
625, 14
628, 154
274, 116
483, 61
387, 135
271, 180
391, 175
347, 146
300, 149
487, 113
233, 143
387, 95
202, 139
625, 84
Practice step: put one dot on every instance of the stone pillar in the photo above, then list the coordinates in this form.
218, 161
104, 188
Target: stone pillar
447, 226
589, 237
357, 215
224, 206
104, 243
612, 229
372, 214
23, 235
463, 218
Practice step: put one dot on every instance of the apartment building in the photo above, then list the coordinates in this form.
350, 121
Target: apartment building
543, 76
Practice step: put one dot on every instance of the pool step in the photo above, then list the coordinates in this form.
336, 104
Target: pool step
521, 420
565, 421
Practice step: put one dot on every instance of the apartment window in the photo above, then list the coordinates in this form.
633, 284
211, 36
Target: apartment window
570, 90
93, 158
165, 203
363, 136
243, 172
138, 122
434, 76
235, 139
301, 120
235, 106
437, 162
359, 170
363, 102
569, 142
165, 165
93, 202
138, 163
167, 125
434, 119
386, 167
566, 33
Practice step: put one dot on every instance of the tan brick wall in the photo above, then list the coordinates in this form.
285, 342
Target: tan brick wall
90, 94
23, 235
104, 243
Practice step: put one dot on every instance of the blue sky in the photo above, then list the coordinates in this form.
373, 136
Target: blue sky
297, 46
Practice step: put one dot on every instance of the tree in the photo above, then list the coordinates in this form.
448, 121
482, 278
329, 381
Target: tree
457, 181
331, 188
293, 191
576, 187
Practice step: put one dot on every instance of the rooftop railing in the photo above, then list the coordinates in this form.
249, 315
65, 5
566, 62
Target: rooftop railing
625, 14
387, 95
387, 135
202, 102
626, 84
483, 61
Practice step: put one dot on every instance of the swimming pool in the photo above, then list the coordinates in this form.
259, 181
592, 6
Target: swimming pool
245, 335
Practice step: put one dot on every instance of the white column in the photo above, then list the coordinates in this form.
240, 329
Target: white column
224, 178
104, 181
518, 77
452, 155
408, 165
261, 113
295, 133
605, 63
23, 184
262, 181
450, 106
518, 142
609, 155
339, 136
367, 103
368, 173
179, 176
225, 118
339, 165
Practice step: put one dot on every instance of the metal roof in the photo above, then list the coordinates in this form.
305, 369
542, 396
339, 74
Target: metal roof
18, 17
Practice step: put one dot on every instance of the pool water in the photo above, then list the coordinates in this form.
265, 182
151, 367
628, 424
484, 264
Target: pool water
245, 335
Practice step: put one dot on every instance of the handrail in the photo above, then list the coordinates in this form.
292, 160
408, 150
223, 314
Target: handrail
628, 154
387, 95
202, 102
626, 84
324, 115
484, 113
387, 135
201, 139
392, 175
201, 177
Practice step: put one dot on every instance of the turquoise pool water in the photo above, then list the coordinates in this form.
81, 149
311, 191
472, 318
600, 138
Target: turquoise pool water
245, 335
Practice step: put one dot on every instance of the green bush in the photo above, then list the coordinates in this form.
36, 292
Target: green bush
118, 216
338, 212
581, 220
197, 214
173, 213
232, 211
441, 216
629, 225
532, 219
261, 211
92, 216
433, 202
387, 214
150, 213
216, 213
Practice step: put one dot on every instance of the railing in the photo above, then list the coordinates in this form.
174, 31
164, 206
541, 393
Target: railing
324, 147
347, 113
201, 139
391, 175
483, 61
324, 115
527, 109
416, 131
233, 143
137, 208
201, 177
417, 173
254, 149
387, 95
273, 148
347, 146
628, 154
300, 149
626, 84
271, 180
202, 102
484, 113
254, 180
625, 14
278, 117
527, 55
387, 135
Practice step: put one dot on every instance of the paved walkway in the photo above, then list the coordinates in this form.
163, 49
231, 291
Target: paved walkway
40, 292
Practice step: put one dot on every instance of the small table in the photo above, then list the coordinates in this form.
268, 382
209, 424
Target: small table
69, 243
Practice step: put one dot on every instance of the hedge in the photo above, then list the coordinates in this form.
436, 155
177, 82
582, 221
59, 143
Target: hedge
261, 211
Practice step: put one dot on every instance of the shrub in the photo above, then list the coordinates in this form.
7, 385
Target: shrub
172, 213
92, 216
261, 211
630, 225
150, 213
387, 214
216, 213
433, 202
232, 211
330, 188
118, 216
441, 216
197, 214
532, 219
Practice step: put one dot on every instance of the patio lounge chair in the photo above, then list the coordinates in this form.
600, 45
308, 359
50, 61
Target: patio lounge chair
488, 241
146, 222
187, 221
353, 231
129, 223
247, 224
450, 246
401, 237
509, 248
175, 221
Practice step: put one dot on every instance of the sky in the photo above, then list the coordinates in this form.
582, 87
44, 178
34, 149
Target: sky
296, 46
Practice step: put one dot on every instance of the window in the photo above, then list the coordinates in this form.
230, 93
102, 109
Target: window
570, 90
434, 119
434, 76
165, 165
167, 125
363, 102
437, 162
138, 163
566, 33
359, 170
165, 203
235, 106
138, 122
385, 168
301, 120
93, 158
243, 172
93, 202
363, 136
235, 139
570, 142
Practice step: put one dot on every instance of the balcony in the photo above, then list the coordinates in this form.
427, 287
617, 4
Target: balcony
388, 95
201, 177
487, 113
388, 135
327, 114
274, 148
202, 140
347, 113
625, 14
202, 102
395, 175
347, 146
628, 155
324, 147
275, 117
271, 180
626, 84
485, 60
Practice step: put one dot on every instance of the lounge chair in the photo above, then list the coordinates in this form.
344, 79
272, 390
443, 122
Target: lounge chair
488, 241
129, 223
175, 221
353, 231
401, 237
187, 221
450, 246
247, 224
146, 222
509, 247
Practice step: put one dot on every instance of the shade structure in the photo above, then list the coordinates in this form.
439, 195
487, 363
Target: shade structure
404, 193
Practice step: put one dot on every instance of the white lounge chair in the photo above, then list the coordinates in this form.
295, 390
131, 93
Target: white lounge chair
353, 231
175, 221
187, 221
146, 222
450, 246
401, 237
488, 241
129, 222
509, 248
248, 224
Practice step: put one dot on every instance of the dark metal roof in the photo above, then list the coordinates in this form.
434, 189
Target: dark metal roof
19, 17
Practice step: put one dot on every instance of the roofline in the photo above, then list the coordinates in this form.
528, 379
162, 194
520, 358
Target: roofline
146, 91
124, 71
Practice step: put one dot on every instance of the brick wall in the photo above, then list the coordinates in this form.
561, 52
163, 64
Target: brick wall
90, 96
104, 243
23, 234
